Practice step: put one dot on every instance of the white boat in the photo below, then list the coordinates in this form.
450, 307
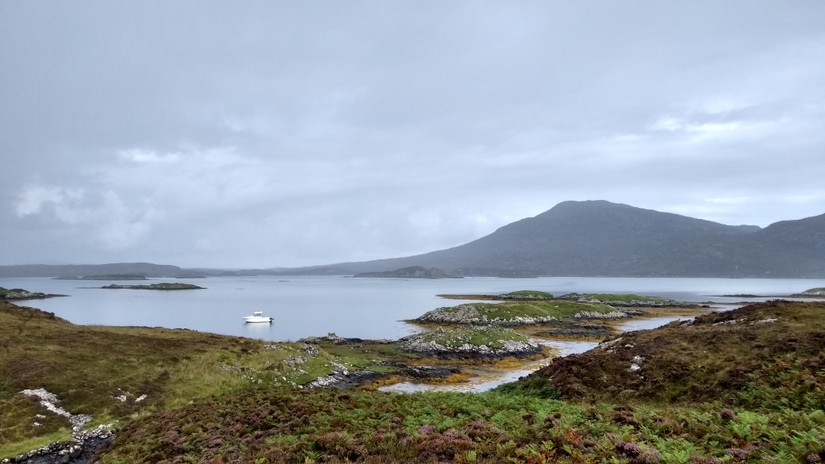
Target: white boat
258, 316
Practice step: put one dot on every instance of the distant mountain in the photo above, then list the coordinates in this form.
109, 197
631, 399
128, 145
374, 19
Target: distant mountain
88, 270
574, 238
600, 238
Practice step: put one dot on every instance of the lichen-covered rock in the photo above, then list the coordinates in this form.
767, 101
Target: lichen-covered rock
477, 342
472, 314
598, 315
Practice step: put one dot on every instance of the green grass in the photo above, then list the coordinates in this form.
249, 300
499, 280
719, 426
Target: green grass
277, 425
18, 294
814, 291
534, 294
768, 355
744, 386
514, 312
615, 298
87, 367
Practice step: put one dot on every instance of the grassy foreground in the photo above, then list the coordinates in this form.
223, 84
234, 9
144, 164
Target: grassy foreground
117, 373
740, 386
272, 426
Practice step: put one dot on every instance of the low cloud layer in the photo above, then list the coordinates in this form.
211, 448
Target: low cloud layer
272, 134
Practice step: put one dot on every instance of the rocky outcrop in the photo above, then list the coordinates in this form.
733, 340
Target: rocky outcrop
343, 378
445, 343
470, 314
83, 449
597, 315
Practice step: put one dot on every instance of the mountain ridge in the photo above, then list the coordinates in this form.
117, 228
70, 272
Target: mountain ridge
594, 238
601, 238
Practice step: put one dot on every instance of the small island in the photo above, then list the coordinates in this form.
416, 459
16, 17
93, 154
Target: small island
412, 272
519, 313
489, 342
572, 316
19, 294
812, 292
159, 286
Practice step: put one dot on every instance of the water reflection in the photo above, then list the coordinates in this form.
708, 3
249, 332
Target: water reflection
259, 331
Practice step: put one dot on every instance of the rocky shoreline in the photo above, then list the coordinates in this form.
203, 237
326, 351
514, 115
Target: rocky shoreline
471, 313
19, 294
84, 448
451, 344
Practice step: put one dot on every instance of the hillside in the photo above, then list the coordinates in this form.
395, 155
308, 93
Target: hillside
599, 238
759, 356
742, 386
746, 387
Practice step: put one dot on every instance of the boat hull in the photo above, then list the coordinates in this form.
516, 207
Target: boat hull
258, 320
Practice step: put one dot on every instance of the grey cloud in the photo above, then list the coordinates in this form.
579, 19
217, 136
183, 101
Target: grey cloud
265, 134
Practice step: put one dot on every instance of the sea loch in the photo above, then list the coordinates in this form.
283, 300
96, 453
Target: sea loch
365, 307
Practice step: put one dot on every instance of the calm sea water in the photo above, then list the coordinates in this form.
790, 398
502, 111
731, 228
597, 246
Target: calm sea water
350, 307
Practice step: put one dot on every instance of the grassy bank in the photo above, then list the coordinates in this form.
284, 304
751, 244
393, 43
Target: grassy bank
120, 373
735, 387
743, 386
271, 426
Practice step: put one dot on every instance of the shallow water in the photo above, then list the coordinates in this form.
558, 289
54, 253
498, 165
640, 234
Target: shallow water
487, 379
647, 324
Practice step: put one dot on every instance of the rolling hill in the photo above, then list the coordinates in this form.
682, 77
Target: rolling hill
600, 238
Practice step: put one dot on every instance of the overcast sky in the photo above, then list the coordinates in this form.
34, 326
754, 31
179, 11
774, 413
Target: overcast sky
264, 134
